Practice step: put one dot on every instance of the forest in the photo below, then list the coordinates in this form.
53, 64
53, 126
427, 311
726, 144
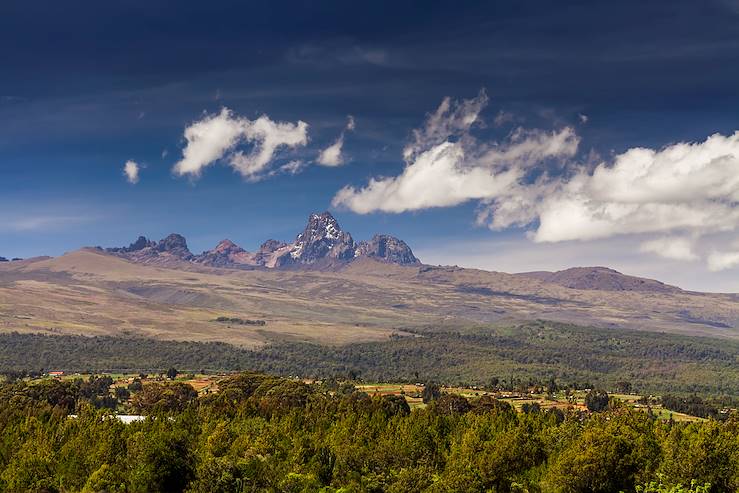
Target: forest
579, 357
267, 433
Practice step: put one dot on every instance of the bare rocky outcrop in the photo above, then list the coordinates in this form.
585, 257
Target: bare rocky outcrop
322, 239
388, 249
140, 243
171, 249
225, 254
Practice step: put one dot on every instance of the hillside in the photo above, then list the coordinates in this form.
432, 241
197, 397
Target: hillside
92, 292
600, 278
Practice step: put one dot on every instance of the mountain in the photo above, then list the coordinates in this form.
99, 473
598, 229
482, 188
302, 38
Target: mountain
388, 249
324, 286
141, 243
601, 279
322, 244
321, 240
172, 249
93, 292
225, 254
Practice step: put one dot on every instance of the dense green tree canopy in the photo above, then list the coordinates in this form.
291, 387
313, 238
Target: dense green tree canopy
263, 433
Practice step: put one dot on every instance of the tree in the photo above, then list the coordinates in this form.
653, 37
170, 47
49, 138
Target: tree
431, 392
136, 385
494, 382
172, 373
623, 387
157, 397
122, 393
451, 404
596, 400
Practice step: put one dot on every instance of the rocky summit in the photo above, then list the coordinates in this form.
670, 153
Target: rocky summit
322, 239
321, 244
170, 249
141, 243
387, 248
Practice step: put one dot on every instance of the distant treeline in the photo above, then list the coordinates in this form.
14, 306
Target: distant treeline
575, 357
240, 321
264, 433
692, 405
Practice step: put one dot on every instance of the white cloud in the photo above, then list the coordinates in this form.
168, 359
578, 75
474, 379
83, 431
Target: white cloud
676, 248
333, 155
436, 178
131, 171
451, 118
685, 187
207, 141
217, 136
293, 167
446, 165
674, 196
722, 260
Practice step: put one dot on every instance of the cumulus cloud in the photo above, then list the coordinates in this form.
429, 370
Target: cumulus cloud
722, 260
676, 248
131, 172
333, 155
446, 165
434, 179
218, 137
688, 187
673, 196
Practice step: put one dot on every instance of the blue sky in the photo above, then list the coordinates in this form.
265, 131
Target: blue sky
84, 88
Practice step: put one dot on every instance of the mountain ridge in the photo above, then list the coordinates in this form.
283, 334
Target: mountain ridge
322, 243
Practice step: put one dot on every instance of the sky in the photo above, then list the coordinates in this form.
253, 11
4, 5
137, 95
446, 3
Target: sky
508, 136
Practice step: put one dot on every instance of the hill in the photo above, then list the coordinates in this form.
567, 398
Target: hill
600, 278
91, 292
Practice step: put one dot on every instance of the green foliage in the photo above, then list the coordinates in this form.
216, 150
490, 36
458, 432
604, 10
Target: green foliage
431, 392
158, 397
596, 400
549, 353
692, 405
658, 487
264, 433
